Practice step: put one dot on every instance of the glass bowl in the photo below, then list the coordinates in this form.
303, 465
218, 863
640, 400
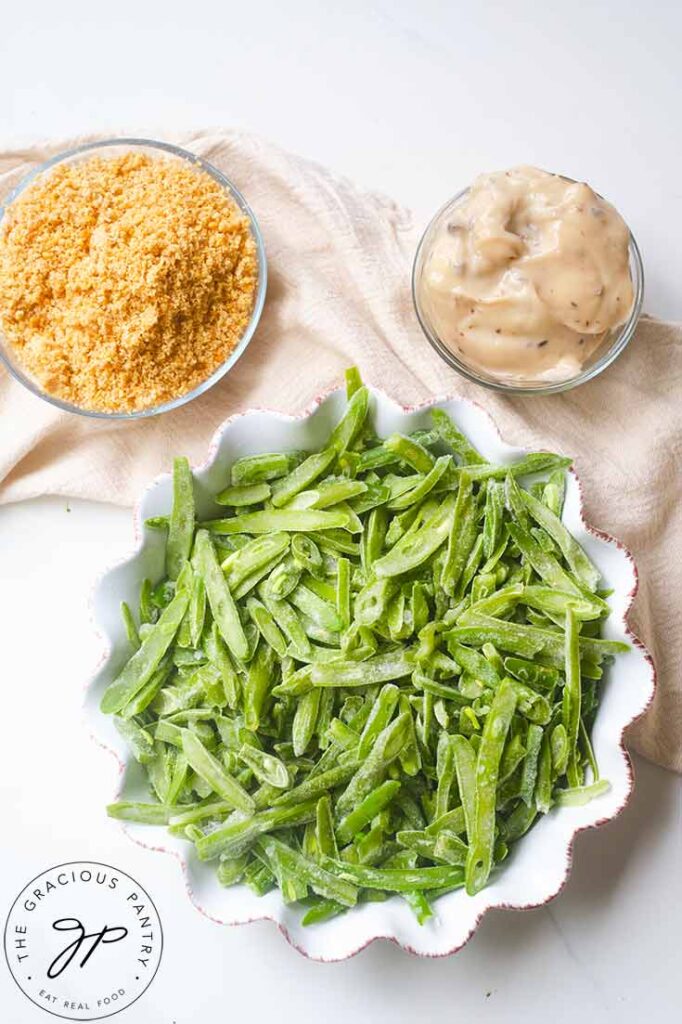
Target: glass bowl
115, 147
603, 356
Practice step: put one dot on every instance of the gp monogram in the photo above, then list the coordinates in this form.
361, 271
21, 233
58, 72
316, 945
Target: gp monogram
83, 940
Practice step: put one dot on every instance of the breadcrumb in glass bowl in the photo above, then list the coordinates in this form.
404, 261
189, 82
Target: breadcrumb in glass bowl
132, 278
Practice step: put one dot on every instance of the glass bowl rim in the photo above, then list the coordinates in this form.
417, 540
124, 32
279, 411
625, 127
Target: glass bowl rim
259, 298
551, 387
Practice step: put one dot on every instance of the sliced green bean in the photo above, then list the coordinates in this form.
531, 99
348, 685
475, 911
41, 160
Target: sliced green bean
146, 659
368, 808
209, 768
396, 879
219, 597
254, 469
181, 524
275, 520
480, 857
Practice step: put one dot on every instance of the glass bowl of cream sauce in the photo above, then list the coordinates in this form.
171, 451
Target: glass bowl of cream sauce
528, 282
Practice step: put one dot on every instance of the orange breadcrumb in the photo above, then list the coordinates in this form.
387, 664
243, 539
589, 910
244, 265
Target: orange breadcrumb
124, 281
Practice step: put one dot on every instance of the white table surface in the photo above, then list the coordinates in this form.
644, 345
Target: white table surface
411, 99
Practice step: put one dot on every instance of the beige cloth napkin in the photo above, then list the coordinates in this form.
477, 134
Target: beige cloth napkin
339, 263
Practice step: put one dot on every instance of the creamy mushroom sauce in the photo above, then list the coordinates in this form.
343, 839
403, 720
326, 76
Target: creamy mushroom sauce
526, 276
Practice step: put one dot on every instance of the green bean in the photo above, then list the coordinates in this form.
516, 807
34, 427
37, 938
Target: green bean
518, 822
149, 692
373, 497
324, 883
480, 856
257, 576
141, 814
283, 579
323, 910
219, 597
197, 610
216, 650
266, 767
364, 673
305, 719
445, 774
530, 704
259, 877
353, 381
578, 795
317, 785
343, 592
410, 451
423, 487
324, 828
545, 565
157, 522
380, 456
530, 764
232, 871
236, 837
529, 672
256, 554
146, 659
147, 612
368, 808
570, 709
199, 812
254, 469
452, 821
543, 785
267, 627
257, 684
388, 745
333, 541
474, 663
396, 879
352, 422
580, 564
465, 770
412, 550
288, 621
379, 717
371, 604
422, 682
456, 440
211, 771
419, 905
274, 520
321, 612
409, 756
493, 519
181, 524
514, 501
450, 848
129, 625
301, 477
249, 494
559, 747
512, 756
462, 536
307, 556
536, 462
554, 491
138, 739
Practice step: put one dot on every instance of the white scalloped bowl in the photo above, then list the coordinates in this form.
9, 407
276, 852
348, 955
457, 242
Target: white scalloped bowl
539, 865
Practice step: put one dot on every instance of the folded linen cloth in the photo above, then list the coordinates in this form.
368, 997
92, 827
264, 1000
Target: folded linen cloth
339, 264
